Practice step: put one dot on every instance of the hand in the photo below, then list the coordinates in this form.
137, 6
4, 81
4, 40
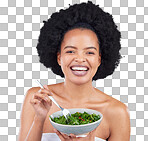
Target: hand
72, 137
41, 103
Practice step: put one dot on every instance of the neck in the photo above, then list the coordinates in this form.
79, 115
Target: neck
78, 93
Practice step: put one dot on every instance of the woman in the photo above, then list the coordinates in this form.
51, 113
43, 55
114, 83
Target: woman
81, 44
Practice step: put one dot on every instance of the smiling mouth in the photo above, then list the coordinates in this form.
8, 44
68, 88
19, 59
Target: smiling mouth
79, 70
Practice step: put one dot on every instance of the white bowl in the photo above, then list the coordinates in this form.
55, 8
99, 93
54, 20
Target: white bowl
76, 129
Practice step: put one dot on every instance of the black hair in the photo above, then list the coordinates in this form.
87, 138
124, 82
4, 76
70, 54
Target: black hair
83, 15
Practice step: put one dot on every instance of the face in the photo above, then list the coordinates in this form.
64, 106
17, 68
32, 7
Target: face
79, 57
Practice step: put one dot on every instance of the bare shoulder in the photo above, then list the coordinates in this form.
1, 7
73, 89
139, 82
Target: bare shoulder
113, 105
31, 91
117, 109
27, 107
28, 95
118, 117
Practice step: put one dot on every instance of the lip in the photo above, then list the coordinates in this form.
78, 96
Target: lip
79, 73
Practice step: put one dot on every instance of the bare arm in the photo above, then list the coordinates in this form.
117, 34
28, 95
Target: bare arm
120, 124
27, 115
35, 132
34, 111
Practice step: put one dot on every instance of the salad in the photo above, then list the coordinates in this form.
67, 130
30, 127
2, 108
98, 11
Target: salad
77, 119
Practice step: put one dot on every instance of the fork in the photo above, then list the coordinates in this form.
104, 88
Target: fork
65, 112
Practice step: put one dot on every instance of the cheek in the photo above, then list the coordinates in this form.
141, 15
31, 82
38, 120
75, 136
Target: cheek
65, 60
95, 61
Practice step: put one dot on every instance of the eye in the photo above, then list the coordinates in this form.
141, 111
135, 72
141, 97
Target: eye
70, 51
90, 52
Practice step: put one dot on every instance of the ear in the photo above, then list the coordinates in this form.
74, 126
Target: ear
59, 58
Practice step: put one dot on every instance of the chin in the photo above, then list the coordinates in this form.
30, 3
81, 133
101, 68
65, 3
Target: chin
80, 81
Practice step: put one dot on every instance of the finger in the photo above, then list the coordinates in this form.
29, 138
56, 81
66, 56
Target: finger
46, 87
63, 135
39, 90
92, 134
45, 91
48, 100
72, 135
34, 101
66, 136
59, 134
41, 97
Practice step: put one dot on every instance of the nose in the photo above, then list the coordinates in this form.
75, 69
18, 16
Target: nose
80, 58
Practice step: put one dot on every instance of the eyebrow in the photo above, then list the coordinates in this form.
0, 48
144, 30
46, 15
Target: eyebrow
76, 47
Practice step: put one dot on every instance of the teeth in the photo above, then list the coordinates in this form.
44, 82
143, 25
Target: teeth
79, 68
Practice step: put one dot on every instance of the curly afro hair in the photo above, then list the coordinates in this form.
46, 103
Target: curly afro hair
53, 30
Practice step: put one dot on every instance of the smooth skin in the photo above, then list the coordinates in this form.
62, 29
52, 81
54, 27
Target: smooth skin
79, 47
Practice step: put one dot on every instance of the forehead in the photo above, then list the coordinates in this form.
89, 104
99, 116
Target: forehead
77, 37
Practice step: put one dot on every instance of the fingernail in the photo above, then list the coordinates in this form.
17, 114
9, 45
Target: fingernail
54, 130
72, 135
46, 86
45, 98
51, 93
